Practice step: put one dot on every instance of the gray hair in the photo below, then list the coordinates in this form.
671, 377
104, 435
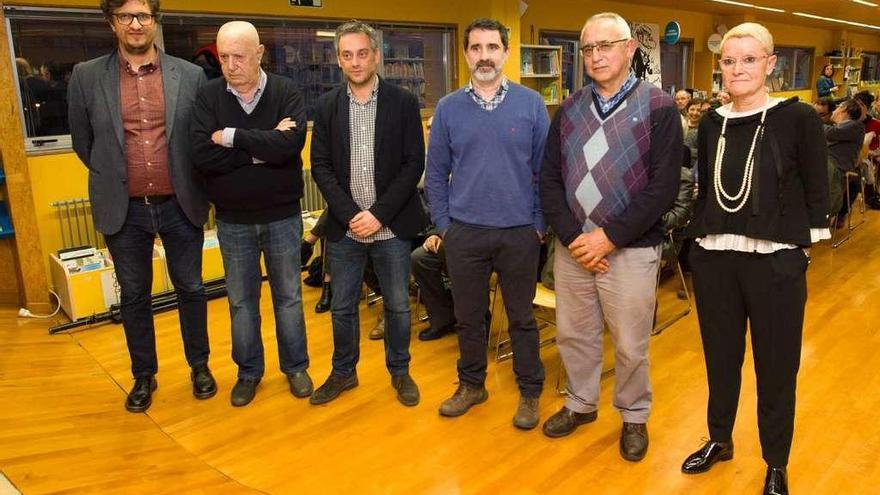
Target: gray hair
620, 23
355, 26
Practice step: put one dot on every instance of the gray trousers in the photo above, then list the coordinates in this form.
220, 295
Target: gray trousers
625, 297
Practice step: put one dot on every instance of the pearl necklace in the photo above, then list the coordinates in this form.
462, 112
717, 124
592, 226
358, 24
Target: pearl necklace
745, 188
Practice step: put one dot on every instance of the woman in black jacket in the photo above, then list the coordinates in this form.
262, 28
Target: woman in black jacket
763, 200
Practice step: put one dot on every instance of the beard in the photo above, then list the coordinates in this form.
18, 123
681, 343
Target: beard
484, 76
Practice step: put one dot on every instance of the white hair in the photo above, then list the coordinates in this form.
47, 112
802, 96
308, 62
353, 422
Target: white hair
619, 22
751, 30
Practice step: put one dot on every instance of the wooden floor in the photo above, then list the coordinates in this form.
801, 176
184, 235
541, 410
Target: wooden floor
63, 428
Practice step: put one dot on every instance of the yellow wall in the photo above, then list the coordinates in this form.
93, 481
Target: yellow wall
54, 177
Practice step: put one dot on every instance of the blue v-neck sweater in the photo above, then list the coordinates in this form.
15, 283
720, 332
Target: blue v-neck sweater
483, 166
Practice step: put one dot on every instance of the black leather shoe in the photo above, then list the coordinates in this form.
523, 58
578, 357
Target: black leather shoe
300, 384
776, 482
565, 421
710, 453
432, 333
244, 391
324, 302
407, 390
204, 386
141, 395
334, 386
634, 441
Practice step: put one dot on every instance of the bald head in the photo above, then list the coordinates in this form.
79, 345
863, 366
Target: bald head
238, 30
240, 52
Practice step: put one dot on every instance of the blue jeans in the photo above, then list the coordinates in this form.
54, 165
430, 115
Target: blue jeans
132, 252
279, 242
391, 262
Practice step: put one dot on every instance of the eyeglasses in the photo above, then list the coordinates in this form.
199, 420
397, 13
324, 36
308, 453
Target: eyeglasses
602, 47
142, 18
748, 62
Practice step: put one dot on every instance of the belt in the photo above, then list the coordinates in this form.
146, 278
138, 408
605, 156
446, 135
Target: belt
152, 200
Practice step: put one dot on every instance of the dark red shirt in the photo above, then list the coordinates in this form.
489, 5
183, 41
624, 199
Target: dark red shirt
142, 98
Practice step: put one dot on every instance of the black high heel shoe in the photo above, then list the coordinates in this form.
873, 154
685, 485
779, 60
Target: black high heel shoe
324, 302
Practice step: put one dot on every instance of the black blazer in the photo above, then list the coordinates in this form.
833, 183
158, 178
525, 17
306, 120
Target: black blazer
399, 154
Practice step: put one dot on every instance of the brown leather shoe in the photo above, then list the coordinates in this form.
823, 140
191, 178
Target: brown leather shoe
565, 421
634, 441
527, 415
464, 398
378, 332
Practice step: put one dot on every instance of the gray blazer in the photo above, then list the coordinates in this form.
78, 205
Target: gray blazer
99, 141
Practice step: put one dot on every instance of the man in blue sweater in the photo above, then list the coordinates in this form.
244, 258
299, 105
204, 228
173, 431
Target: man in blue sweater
484, 156
248, 132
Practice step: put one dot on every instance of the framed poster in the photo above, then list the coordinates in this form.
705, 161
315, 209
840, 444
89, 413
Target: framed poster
646, 61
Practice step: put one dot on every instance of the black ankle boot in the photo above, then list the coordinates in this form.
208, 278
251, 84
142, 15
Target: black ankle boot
326, 296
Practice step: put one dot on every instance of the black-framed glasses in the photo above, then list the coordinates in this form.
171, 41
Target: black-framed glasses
602, 47
143, 19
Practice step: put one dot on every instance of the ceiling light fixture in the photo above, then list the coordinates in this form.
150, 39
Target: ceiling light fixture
841, 21
864, 2
743, 4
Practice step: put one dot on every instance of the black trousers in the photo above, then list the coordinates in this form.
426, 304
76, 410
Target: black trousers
428, 269
769, 292
472, 254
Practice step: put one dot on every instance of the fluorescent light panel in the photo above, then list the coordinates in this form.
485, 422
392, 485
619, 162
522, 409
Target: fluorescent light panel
869, 4
841, 21
743, 4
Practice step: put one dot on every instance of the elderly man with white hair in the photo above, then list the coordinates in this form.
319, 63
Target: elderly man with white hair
248, 132
763, 202
611, 169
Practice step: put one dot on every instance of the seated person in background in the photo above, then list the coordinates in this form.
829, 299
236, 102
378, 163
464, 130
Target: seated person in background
872, 130
681, 211
428, 269
694, 114
844, 144
825, 107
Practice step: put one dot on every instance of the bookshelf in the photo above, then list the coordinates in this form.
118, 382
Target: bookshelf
541, 70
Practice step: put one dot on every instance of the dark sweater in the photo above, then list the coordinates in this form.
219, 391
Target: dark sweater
618, 171
845, 143
244, 192
790, 183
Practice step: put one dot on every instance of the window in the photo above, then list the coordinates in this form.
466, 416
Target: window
49, 42
870, 68
792, 71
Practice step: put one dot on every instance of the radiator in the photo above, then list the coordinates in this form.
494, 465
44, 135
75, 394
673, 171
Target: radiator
312, 199
75, 222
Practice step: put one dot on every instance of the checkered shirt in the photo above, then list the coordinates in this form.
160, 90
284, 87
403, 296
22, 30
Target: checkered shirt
362, 127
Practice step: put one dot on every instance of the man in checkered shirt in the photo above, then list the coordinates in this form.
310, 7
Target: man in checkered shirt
367, 156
